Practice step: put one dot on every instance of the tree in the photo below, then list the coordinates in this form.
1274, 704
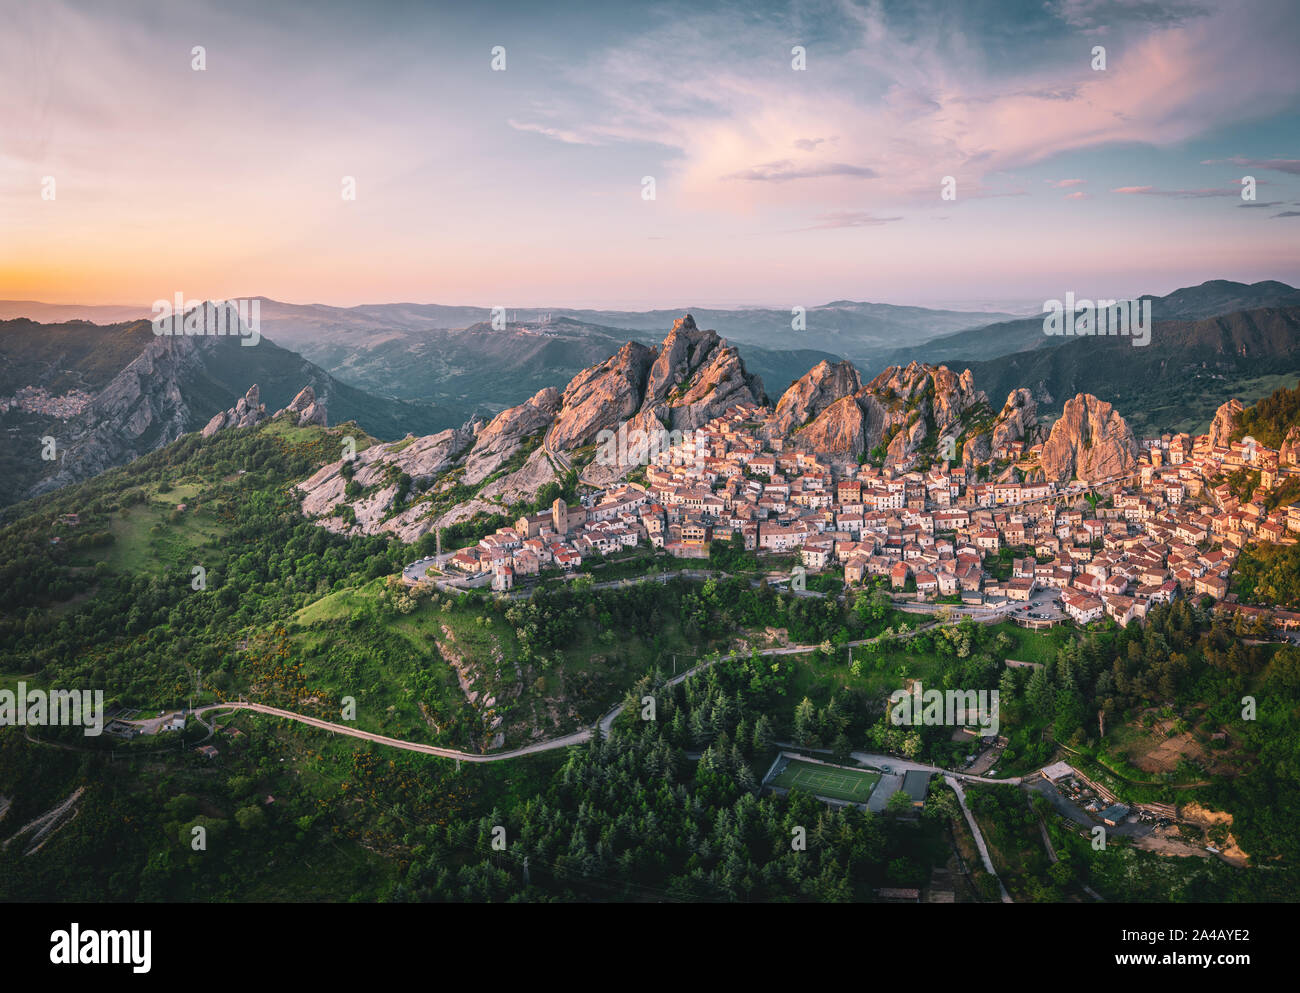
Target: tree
805, 725
1039, 692
899, 803
841, 748
250, 818
763, 734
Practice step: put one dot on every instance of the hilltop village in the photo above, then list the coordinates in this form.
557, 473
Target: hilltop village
1159, 528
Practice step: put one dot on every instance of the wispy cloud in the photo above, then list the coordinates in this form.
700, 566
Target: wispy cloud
1291, 166
785, 171
1100, 15
1152, 191
912, 99
1062, 184
559, 134
849, 219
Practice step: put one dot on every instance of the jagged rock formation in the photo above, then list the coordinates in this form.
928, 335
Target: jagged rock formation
1017, 421
601, 397
841, 429
306, 408
1227, 419
1089, 441
910, 405
378, 469
692, 377
249, 410
142, 408
695, 377
504, 436
1289, 453
949, 395
168, 385
822, 386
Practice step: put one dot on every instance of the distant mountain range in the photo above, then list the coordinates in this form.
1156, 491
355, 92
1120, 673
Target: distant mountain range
1219, 296
453, 355
148, 390
1176, 382
426, 368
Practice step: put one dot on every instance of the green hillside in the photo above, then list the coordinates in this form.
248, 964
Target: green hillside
1173, 384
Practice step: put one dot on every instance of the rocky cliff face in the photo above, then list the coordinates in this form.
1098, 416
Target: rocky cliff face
505, 434
840, 429
1289, 453
935, 390
690, 378
601, 397
1226, 420
1089, 441
142, 408
696, 377
376, 469
1017, 421
177, 384
246, 412
822, 386
306, 408
830, 410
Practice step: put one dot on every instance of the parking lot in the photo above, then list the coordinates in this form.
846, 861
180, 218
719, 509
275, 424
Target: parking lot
1043, 605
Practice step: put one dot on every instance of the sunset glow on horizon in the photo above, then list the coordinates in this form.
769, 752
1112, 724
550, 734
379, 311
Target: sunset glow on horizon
524, 186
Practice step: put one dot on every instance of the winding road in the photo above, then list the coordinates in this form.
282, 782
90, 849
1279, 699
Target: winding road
576, 738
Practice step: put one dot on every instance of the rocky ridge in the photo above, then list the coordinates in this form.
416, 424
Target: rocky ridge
1089, 441
412, 486
691, 377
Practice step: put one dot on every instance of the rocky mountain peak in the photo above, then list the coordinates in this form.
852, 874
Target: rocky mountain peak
247, 411
684, 323
306, 408
1226, 420
813, 392
1089, 441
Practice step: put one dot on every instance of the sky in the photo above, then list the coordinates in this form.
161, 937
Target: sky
128, 175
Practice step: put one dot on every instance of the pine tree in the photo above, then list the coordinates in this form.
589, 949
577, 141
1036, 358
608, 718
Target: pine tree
805, 724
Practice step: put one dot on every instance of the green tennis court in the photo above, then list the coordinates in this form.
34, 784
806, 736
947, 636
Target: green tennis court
853, 785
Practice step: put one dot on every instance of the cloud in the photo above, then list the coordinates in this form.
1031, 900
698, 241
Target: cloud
849, 219
1291, 166
784, 171
1288, 213
559, 134
1263, 203
1100, 15
1077, 195
914, 100
1152, 191
1062, 184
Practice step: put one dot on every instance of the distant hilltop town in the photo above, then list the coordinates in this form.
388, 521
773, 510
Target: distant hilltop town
36, 400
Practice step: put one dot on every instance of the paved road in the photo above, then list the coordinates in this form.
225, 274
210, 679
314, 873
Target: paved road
576, 738
906, 765
951, 780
